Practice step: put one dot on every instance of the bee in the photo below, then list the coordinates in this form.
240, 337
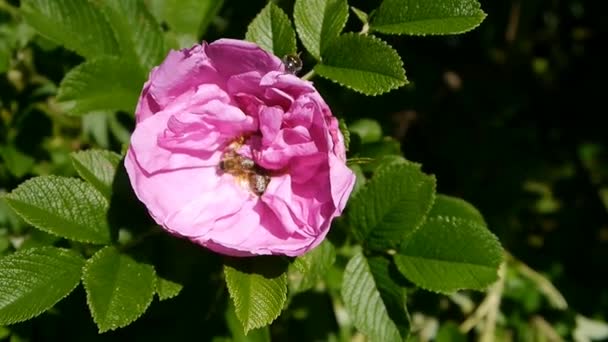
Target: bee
245, 171
293, 63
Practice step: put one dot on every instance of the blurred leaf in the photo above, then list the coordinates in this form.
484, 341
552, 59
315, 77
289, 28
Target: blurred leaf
271, 30
238, 334
119, 289
17, 162
391, 286
97, 167
33, 280
105, 83
139, 37
66, 207
4, 333
453, 250
306, 270
188, 19
78, 25
589, 330
6, 52
95, 127
167, 289
318, 22
258, 287
365, 64
449, 332
345, 133
364, 303
420, 17
392, 205
368, 130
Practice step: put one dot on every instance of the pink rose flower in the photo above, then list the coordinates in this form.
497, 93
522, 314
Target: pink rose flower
236, 154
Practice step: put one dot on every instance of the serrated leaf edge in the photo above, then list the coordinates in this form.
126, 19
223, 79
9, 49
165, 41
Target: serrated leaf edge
456, 289
383, 28
389, 168
85, 270
401, 83
8, 199
269, 7
236, 302
31, 251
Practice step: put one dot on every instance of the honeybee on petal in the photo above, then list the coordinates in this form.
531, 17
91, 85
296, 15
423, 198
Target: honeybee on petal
245, 171
258, 183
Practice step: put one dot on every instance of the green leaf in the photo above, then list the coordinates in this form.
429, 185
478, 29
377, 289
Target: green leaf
308, 269
237, 332
364, 302
167, 289
362, 16
119, 289
17, 162
104, 83
318, 22
392, 288
368, 130
97, 167
187, 19
271, 30
392, 205
66, 207
453, 206
258, 287
33, 280
420, 17
363, 63
76, 24
452, 250
139, 36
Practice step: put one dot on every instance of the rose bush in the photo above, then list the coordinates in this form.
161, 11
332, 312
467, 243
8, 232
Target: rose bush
233, 152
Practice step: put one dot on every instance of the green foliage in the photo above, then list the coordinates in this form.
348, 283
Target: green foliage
119, 289
307, 270
469, 261
391, 206
33, 280
76, 24
392, 288
318, 22
367, 129
137, 33
397, 236
364, 302
420, 17
187, 19
98, 168
105, 83
239, 335
271, 30
361, 71
66, 207
166, 289
258, 288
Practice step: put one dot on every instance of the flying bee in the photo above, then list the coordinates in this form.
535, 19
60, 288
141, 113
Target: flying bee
293, 63
245, 171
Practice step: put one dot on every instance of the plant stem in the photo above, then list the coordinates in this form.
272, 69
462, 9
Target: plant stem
309, 75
